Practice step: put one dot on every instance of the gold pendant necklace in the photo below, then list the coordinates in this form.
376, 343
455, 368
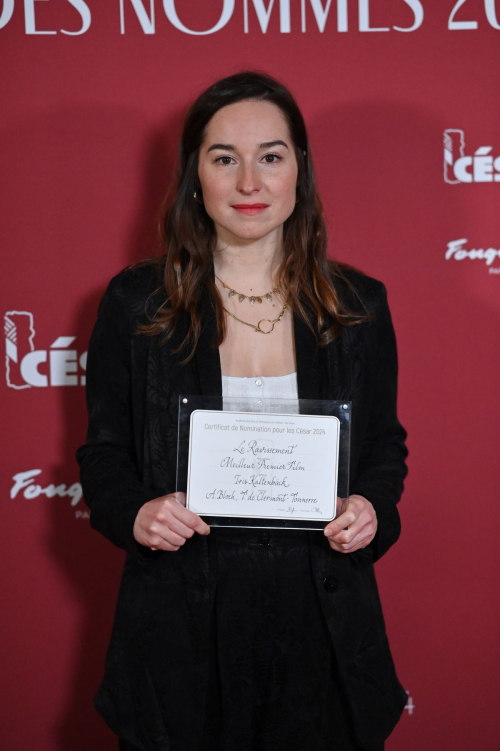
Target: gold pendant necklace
252, 299
258, 326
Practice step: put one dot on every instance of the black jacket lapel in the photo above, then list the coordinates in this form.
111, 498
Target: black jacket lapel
313, 379
207, 356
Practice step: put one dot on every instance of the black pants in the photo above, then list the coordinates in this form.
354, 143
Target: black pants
124, 746
269, 687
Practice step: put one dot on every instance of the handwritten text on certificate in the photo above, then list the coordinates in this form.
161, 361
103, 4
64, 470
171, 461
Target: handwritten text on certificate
263, 465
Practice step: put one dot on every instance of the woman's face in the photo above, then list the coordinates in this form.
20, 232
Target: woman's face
248, 171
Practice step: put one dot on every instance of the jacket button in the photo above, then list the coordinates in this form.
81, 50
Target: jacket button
265, 539
330, 584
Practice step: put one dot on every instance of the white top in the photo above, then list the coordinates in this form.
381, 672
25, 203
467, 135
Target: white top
248, 394
261, 387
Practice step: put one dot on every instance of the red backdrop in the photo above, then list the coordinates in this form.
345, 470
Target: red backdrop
93, 95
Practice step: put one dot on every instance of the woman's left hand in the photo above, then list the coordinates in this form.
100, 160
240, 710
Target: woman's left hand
355, 528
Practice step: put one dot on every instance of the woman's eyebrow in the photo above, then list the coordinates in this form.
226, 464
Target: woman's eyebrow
230, 147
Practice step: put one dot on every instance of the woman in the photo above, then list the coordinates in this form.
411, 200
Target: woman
243, 639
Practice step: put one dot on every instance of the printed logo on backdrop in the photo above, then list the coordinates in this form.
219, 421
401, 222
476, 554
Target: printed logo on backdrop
457, 250
410, 706
480, 167
27, 367
341, 16
27, 485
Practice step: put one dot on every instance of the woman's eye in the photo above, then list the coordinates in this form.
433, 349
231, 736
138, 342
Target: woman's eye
272, 158
224, 159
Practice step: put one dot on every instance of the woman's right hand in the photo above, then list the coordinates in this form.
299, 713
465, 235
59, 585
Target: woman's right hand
165, 524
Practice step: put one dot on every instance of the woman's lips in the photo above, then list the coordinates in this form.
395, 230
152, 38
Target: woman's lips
250, 208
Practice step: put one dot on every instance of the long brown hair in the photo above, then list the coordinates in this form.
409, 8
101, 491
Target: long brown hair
189, 239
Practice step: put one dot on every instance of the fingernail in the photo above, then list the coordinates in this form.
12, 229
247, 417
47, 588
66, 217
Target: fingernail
328, 532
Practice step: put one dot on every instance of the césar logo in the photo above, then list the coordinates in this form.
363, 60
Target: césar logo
483, 167
26, 366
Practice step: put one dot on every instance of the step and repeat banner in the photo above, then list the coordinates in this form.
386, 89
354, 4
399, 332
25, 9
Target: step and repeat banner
402, 102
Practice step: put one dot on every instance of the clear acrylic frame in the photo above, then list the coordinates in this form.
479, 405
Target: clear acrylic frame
241, 410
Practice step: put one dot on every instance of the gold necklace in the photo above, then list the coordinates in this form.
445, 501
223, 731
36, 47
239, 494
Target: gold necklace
251, 298
258, 327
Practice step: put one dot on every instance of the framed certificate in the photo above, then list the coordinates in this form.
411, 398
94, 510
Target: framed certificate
267, 463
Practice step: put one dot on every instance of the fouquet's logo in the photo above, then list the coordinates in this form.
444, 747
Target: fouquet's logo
457, 251
27, 367
481, 167
25, 484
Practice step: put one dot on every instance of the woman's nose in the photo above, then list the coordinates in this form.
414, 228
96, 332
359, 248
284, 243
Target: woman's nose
248, 179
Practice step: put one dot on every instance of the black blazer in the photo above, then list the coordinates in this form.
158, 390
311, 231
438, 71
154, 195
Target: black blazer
129, 458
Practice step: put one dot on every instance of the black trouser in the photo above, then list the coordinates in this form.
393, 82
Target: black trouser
124, 746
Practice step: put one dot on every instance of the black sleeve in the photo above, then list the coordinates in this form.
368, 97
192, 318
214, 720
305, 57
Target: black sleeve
382, 467
110, 477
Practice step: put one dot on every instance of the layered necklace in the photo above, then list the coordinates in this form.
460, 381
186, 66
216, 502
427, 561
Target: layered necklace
252, 299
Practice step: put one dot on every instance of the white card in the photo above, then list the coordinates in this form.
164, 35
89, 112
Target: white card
262, 465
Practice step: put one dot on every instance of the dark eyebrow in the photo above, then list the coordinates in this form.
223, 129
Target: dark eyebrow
230, 147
